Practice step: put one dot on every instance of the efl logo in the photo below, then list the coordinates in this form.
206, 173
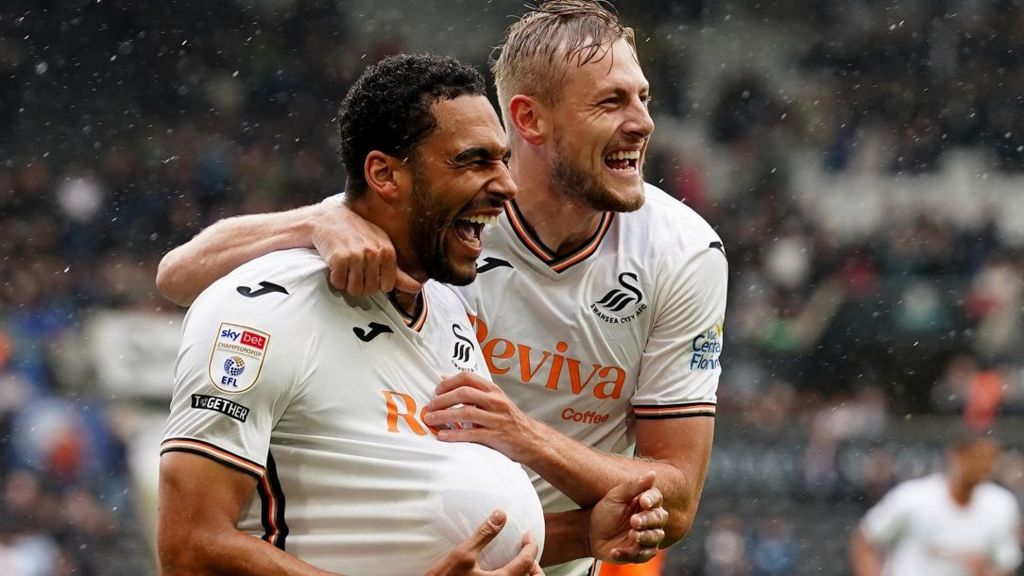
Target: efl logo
254, 340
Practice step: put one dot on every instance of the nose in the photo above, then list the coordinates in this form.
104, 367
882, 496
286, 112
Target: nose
502, 186
640, 122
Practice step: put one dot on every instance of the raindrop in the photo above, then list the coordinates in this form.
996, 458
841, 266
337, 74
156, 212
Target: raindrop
41, 68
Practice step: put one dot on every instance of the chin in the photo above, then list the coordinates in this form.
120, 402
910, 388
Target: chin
620, 198
456, 275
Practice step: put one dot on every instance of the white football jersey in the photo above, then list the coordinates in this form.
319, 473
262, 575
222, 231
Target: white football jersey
320, 397
926, 532
627, 327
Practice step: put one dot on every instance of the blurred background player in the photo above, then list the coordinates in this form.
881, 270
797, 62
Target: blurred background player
600, 302
956, 523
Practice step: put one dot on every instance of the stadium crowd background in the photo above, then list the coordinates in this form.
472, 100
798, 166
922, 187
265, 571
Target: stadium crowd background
821, 138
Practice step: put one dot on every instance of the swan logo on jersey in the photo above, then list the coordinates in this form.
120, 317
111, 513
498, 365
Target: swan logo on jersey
622, 304
706, 348
462, 356
237, 357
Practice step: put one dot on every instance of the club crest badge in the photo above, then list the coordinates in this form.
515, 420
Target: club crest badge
237, 357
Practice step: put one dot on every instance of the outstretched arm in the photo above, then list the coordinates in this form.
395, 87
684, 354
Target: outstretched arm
360, 255
678, 449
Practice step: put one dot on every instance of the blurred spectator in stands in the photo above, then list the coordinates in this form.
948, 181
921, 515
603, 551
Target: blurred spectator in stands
25, 551
725, 548
773, 549
996, 301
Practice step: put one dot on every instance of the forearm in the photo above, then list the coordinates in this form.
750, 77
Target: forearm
565, 537
225, 245
585, 475
228, 551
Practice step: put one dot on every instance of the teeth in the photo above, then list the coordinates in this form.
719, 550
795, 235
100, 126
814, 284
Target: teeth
624, 155
485, 220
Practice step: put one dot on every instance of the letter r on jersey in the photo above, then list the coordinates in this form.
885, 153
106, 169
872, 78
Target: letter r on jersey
407, 412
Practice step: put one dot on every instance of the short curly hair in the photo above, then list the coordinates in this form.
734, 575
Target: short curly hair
389, 108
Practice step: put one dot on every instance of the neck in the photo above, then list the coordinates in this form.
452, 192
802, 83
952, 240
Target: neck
560, 221
392, 221
960, 491
405, 302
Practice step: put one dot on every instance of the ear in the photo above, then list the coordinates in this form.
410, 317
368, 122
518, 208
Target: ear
385, 175
529, 118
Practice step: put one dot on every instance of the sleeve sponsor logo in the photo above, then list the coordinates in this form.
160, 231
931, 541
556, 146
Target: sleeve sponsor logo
222, 405
706, 348
237, 357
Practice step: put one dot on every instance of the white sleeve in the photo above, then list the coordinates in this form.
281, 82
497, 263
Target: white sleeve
886, 520
1005, 553
239, 361
680, 366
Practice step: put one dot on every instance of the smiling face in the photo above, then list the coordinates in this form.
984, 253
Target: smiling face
459, 182
600, 131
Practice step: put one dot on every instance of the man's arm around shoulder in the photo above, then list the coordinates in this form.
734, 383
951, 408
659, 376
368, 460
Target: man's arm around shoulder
360, 256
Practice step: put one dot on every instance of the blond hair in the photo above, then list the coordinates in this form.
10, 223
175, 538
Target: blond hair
540, 46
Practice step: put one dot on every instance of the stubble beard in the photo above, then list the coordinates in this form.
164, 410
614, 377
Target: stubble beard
428, 233
584, 187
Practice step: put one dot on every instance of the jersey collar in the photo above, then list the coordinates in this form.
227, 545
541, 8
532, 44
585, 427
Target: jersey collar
396, 315
526, 235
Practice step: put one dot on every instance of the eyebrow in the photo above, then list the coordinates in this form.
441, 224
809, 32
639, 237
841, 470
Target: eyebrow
480, 153
620, 92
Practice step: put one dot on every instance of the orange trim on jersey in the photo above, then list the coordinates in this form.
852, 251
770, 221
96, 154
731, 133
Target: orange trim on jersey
675, 410
415, 323
275, 530
271, 530
209, 450
588, 249
557, 263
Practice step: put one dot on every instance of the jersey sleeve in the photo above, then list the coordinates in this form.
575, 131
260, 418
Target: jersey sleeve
886, 520
680, 365
238, 364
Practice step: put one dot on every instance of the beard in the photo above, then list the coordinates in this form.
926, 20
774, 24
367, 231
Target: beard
586, 187
429, 228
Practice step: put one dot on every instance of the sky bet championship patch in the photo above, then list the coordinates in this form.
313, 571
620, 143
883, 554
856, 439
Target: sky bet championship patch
237, 357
